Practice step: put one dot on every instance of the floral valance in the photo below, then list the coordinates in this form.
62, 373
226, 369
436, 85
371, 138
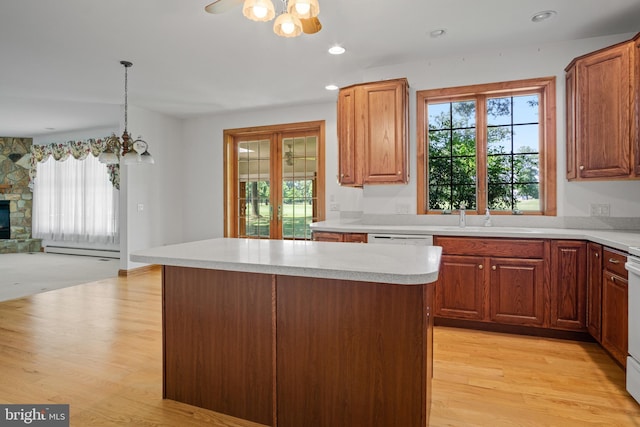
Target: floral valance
77, 149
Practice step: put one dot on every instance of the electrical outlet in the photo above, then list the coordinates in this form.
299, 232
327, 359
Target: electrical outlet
334, 206
402, 208
602, 209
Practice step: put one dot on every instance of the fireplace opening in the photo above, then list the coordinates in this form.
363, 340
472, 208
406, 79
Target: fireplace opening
5, 224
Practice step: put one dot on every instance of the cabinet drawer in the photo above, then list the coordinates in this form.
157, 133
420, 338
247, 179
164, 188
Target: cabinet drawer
614, 261
495, 247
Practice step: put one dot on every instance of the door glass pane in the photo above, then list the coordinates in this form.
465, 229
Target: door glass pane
254, 208
298, 208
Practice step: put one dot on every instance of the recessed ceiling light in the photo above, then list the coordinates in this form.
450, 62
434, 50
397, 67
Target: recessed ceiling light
331, 87
544, 15
336, 50
50, 128
438, 33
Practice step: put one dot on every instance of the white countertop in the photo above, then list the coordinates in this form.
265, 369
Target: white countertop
617, 239
404, 265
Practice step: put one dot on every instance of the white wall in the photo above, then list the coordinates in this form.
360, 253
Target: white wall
203, 137
204, 154
494, 66
157, 188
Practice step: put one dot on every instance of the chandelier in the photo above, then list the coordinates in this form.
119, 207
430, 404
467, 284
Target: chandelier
133, 152
288, 23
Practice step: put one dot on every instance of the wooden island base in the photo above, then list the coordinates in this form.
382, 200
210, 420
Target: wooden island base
296, 351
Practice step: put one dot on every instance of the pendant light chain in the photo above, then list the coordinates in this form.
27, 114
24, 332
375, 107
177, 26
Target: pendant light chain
125, 134
125, 97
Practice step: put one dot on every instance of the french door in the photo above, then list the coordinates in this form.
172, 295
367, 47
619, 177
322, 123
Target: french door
274, 181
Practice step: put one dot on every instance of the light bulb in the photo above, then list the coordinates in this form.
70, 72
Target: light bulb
259, 11
303, 8
288, 27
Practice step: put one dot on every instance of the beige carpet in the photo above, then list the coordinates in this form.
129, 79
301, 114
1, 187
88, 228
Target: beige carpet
32, 273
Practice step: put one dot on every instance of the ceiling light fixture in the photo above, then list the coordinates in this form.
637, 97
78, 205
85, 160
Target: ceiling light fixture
331, 87
544, 15
337, 50
132, 152
287, 25
259, 10
438, 33
303, 9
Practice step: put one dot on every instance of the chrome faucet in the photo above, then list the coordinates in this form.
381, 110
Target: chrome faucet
463, 215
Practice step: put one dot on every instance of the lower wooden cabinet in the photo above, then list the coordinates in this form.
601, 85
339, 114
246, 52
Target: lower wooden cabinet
517, 291
460, 288
521, 282
568, 285
615, 309
327, 236
491, 280
594, 290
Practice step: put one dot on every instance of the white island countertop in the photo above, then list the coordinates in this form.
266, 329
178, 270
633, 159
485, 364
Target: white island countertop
404, 265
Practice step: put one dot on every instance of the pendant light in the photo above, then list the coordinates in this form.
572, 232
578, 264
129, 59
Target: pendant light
132, 152
287, 24
303, 9
259, 10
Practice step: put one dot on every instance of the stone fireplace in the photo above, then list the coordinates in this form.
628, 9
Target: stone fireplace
14, 188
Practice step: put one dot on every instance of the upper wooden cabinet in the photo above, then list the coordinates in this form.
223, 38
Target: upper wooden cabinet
635, 124
373, 133
602, 92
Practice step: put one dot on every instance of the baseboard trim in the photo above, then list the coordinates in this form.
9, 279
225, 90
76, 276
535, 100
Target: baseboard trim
514, 329
140, 270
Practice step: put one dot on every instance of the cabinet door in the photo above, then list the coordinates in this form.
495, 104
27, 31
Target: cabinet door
326, 236
594, 290
615, 316
385, 132
604, 118
517, 291
568, 284
355, 237
347, 161
570, 85
460, 287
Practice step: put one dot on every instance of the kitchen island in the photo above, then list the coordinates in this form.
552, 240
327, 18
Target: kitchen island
299, 333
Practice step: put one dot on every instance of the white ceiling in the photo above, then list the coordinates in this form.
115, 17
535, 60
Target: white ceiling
60, 60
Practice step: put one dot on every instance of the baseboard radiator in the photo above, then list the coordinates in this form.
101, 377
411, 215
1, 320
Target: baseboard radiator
102, 253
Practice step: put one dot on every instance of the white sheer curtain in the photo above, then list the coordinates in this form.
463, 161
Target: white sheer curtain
73, 200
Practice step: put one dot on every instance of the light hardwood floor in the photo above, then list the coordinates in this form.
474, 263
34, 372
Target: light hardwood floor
97, 347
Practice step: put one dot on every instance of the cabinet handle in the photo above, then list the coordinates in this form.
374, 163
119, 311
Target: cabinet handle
613, 279
581, 167
597, 255
614, 261
399, 172
493, 267
480, 266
